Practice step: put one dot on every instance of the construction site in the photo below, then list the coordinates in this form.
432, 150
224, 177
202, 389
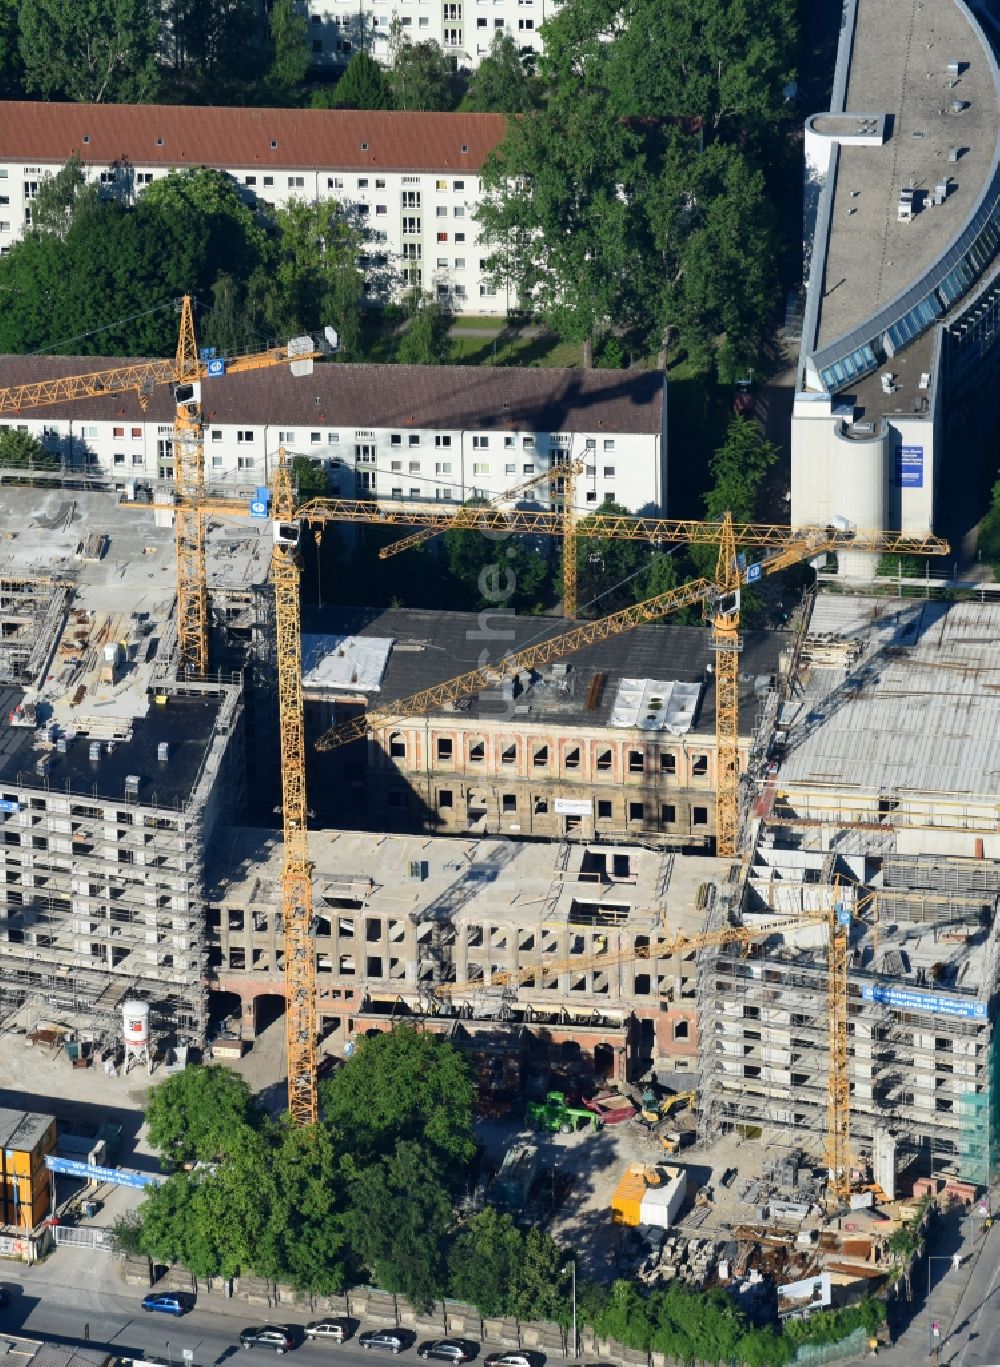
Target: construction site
711, 913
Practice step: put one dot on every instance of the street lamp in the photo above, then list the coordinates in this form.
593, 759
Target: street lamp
572, 1270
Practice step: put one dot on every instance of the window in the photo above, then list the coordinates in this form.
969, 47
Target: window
481, 467
414, 493
540, 758
509, 801
445, 798
268, 180
609, 443
635, 765
460, 237
509, 755
681, 1029
216, 462
441, 211
216, 433
442, 440
609, 472
411, 225
699, 816
699, 765
668, 763
444, 748
458, 211
296, 182
572, 760
442, 467
411, 199
243, 436
335, 182
414, 467
460, 266
245, 463
396, 439
527, 443
396, 467
363, 180
442, 237
480, 443
604, 809
315, 438
458, 185
668, 814
604, 760
380, 182
440, 185
527, 469
636, 811
118, 433
397, 745
442, 263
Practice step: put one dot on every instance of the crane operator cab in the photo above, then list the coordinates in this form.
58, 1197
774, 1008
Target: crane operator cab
286, 534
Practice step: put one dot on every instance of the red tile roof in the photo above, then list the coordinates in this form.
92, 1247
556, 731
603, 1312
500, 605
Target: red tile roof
182, 135
460, 398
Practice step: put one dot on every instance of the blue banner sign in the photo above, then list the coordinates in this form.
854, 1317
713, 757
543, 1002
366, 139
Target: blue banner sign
122, 1177
910, 467
216, 367
924, 1001
7, 805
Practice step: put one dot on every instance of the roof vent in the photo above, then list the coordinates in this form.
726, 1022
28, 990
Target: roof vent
159, 142
274, 144
364, 147
86, 137
465, 147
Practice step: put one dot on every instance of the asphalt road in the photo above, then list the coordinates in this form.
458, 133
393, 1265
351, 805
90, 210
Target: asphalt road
77, 1297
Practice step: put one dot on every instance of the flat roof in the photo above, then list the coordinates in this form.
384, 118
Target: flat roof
213, 135
465, 879
335, 395
918, 709
185, 723
899, 64
432, 647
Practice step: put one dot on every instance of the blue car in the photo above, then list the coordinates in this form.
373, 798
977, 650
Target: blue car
169, 1302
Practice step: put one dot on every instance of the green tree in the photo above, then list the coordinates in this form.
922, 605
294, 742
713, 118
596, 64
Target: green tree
199, 1114
739, 468
21, 451
290, 57
495, 569
316, 278
422, 77
310, 477
500, 84
11, 68
305, 1238
404, 1085
89, 50
61, 197
400, 1213
362, 86
988, 541
611, 572
427, 339
504, 1272
215, 46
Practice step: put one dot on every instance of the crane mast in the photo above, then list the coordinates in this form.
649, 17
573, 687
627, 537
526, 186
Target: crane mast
189, 477
296, 876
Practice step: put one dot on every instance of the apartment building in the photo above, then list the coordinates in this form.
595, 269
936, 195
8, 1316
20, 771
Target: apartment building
617, 742
412, 181
434, 433
463, 29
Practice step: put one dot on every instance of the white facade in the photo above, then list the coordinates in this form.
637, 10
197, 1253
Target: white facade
420, 221
410, 464
462, 28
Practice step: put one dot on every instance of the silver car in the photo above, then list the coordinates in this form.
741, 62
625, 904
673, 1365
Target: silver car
328, 1331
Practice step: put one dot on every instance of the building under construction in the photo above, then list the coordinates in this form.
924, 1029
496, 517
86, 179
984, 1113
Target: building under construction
112, 775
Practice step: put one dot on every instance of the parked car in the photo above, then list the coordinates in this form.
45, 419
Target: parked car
277, 1337
447, 1350
169, 1302
390, 1340
328, 1331
513, 1359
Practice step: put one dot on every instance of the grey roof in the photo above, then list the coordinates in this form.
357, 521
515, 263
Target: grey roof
22, 1129
440, 645
187, 723
532, 398
917, 712
24, 1352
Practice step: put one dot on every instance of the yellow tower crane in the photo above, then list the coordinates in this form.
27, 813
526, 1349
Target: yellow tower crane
562, 478
837, 920
789, 546
185, 372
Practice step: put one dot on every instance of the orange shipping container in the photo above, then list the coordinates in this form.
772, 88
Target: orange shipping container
628, 1196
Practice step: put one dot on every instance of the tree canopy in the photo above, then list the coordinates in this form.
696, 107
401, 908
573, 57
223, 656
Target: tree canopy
198, 1113
501, 84
403, 1085
90, 50
363, 85
422, 76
